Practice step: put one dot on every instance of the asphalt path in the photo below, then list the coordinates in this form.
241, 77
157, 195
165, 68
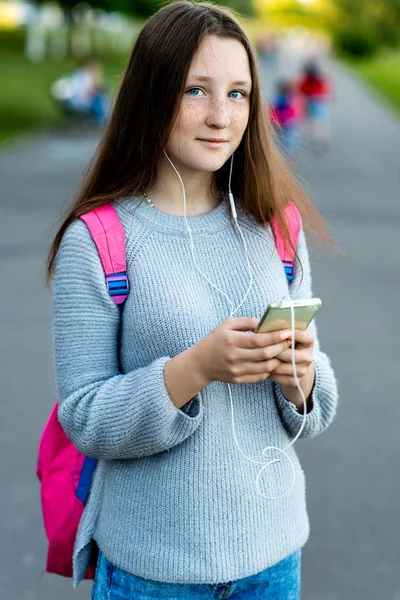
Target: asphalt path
352, 470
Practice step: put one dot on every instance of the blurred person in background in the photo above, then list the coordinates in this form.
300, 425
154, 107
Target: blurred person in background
83, 93
173, 508
286, 115
316, 88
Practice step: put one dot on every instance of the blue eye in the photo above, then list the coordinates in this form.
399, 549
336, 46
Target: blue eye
194, 92
236, 92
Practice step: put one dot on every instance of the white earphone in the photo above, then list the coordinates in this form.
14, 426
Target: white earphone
233, 311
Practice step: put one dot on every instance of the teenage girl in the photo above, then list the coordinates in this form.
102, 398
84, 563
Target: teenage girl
175, 395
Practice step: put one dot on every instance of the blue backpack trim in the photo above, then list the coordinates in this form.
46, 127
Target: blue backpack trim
88, 467
290, 270
117, 284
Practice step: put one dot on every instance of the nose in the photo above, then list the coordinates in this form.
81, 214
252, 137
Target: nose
218, 115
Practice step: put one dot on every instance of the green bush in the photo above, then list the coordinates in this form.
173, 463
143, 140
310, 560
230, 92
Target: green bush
12, 41
356, 42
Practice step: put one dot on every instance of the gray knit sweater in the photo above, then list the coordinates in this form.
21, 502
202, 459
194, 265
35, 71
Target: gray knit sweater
172, 498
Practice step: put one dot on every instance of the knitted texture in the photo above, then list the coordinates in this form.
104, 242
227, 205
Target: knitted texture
172, 498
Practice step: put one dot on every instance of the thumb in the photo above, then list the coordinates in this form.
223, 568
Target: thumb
243, 323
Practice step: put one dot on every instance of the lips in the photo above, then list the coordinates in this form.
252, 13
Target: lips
212, 140
212, 143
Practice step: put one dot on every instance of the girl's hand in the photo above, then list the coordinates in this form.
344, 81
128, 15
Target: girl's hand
303, 357
232, 354
284, 374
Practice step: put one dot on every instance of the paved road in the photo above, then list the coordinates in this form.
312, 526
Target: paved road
352, 471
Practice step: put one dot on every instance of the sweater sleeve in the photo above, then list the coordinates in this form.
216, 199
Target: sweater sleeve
105, 413
324, 394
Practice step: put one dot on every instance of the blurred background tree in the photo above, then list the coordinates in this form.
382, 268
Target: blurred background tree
359, 27
145, 8
363, 26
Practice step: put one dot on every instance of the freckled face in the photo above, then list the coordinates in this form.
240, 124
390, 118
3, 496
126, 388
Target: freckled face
214, 112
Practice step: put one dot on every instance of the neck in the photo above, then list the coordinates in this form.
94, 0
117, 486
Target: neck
202, 195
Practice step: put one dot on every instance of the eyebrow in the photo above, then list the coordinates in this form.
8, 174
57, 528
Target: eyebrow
245, 82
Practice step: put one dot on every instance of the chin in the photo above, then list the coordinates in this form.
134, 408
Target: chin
207, 164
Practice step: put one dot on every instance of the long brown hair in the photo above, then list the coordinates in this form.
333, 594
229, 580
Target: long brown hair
144, 113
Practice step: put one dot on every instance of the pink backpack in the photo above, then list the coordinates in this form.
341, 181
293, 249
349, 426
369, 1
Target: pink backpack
65, 474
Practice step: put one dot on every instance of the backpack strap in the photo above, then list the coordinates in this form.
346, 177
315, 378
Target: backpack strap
108, 234
286, 253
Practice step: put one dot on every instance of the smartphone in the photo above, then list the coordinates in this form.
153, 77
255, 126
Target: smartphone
277, 316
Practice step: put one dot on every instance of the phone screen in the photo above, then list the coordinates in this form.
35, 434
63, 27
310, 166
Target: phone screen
276, 319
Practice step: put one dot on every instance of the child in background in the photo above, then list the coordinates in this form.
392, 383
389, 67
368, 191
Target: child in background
286, 114
83, 92
316, 90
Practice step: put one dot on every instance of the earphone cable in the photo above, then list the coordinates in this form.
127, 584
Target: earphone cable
232, 312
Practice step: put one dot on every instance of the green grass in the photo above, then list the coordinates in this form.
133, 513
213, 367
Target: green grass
25, 103
383, 74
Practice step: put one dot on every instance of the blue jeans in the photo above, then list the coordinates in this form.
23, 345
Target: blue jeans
280, 582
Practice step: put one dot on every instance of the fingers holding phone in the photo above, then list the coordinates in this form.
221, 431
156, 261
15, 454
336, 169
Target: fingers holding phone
280, 315
303, 343
234, 354
245, 350
303, 358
